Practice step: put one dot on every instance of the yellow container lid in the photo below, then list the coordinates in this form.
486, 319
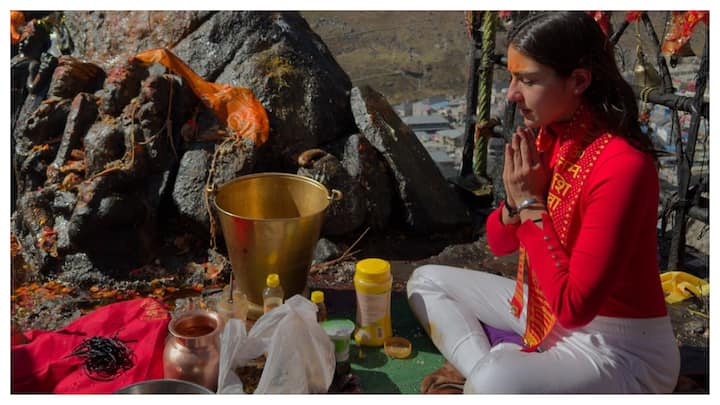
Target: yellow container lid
317, 296
397, 347
272, 280
372, 269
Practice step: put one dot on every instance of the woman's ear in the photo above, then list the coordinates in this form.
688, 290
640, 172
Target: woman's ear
580, 80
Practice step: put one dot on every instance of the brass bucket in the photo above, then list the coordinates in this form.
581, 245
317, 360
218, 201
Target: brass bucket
271, 223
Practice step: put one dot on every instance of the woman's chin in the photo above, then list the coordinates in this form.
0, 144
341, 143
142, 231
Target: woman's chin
530, 123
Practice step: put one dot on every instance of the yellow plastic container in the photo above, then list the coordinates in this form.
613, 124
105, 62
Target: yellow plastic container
679, 286
373, 284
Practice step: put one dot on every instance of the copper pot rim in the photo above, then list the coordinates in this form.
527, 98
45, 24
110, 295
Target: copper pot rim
203, 313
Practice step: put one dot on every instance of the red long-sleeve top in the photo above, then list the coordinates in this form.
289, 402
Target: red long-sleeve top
610, 265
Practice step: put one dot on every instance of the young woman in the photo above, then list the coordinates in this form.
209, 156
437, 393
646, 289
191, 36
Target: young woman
581, 213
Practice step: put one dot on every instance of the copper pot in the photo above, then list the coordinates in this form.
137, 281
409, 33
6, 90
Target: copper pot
192, 350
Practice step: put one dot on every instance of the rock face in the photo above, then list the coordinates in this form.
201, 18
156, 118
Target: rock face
288, 68
188, 192
113, 160
83, 112
38, 128
429, 204
342, 216
73, 76
109, 37
367, 166
91, 182
129, 161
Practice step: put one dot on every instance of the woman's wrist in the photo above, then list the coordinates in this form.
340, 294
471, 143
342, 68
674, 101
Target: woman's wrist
530, 208
533, 213
508, 215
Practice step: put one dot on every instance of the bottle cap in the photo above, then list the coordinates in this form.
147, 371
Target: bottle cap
317, 297
273, 280
373, 269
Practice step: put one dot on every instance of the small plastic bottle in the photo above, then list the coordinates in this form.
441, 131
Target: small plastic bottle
318, 298
272, 294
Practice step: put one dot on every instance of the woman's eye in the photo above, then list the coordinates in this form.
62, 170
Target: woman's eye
524, 80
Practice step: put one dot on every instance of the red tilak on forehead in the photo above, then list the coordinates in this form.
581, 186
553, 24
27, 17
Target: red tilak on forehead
517, 62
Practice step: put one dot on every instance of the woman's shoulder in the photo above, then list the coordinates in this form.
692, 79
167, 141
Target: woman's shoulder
622, 166
620, 157
620, 148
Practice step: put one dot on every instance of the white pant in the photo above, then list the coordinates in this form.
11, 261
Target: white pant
608, 355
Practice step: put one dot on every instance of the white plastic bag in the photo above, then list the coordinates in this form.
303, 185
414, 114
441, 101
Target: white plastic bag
300, 357
236, 350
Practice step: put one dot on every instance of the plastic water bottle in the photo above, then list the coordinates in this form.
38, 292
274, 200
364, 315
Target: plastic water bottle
272, 294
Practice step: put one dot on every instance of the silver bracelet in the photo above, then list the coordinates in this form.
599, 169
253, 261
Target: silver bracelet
526, 204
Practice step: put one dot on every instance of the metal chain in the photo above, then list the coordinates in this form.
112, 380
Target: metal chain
210, 187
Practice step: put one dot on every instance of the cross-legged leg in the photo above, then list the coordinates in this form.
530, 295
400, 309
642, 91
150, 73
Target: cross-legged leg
450, 303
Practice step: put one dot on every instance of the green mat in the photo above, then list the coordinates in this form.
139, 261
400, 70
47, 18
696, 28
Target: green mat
377, 372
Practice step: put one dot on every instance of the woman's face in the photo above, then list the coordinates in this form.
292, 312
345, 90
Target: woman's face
541, 95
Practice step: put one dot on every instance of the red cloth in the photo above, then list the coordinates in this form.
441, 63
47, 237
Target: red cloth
602, 18
42, 364
681, 29
610, 267
633, 16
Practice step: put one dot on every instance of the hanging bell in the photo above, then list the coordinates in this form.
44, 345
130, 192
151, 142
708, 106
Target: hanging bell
645, 73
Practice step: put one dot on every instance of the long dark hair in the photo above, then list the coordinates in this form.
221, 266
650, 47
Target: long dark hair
569, 40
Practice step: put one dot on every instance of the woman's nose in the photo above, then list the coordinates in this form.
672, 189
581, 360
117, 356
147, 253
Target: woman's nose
513, 95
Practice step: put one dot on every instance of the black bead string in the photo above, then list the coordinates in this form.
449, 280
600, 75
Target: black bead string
104, 358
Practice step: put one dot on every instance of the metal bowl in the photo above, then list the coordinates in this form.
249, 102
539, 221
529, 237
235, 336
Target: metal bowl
164, 386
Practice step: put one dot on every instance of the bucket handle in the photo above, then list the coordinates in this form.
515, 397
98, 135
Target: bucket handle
335, 195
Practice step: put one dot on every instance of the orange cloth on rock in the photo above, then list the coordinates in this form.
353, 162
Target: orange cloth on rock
237, 107
17, 20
